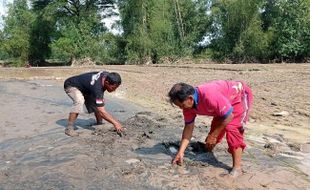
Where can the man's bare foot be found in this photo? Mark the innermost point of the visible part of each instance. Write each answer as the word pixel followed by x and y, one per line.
pixel 236 172
pixel 99 123
pixel 71 132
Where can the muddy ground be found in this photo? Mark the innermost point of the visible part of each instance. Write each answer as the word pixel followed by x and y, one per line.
pixel 35 153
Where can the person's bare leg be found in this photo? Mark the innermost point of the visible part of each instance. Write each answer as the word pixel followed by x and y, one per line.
pixel 236 156
pixel 98 118
pixel 70 127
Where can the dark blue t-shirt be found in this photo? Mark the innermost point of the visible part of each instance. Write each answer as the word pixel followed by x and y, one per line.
pixel 90 84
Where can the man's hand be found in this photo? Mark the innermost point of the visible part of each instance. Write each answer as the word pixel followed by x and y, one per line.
pixel 210 142
pixel 108 117
pixel 118 128
pixel 178 159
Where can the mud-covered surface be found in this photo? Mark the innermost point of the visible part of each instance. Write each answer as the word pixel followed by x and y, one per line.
pixel 36 154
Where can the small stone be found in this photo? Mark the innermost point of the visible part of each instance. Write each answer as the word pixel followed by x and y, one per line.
pixel 273 104
pixel 282 113
pixel 305 148
pixel 295 147
pixel 132 161
pixel 270 146
pixel 173 150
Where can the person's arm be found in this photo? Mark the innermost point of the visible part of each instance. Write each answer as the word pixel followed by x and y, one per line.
pixel 220 125
pixel 108 117
pixel 186 137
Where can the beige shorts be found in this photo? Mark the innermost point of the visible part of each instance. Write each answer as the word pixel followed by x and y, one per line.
pixel 77 98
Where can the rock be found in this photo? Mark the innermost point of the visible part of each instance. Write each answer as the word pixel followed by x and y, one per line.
pixel 282 113
pixel 251 120
pixel 270 146
pixel 132 161
pixel 305 148
pixel 273 104
pixel 173 150
pixel 295 147
pixel 271 149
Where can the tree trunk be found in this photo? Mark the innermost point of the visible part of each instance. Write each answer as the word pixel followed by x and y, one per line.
pixel 179 19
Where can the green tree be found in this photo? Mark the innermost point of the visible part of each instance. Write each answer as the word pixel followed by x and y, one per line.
pixel 42 32
pixel 78 41
pixel 78 24
pixel 3 53
pixel 237 34
pixel 269 13
pixel 161 31
pixel 191 21
pixel 135 21
pixel 253 44
pixel 155 29
pixel 74 28
pixel 260 30
pixel 292 30
pixel 17 31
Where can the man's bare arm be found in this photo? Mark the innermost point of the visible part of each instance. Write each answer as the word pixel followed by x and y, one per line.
pixel 186 137
pixel 108 117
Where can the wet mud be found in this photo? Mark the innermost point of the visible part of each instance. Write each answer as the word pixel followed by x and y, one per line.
pixel 38 155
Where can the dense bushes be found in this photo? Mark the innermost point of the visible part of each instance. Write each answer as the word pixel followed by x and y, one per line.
pixel 149 31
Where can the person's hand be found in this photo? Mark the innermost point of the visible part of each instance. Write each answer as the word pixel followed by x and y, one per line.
pixel 178 159
pixel 118 128
pixel 210 142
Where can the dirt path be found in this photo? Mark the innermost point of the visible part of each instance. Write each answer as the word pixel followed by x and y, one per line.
pixel 35 154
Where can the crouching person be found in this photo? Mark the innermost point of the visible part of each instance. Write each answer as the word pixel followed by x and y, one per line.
pixel 88 89
pixel 228 102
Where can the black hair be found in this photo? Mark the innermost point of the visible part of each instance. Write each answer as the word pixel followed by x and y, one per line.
pixel 114 78
pixel 180 92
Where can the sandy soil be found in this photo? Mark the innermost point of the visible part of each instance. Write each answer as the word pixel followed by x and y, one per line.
pixel 35 154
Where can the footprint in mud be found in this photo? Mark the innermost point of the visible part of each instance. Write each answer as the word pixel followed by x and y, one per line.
pixel 104 132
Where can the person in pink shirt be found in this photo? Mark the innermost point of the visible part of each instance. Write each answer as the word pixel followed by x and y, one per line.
pixel 229 102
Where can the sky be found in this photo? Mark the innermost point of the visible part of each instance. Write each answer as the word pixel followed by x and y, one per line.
pixel 3 10
pixel 3 6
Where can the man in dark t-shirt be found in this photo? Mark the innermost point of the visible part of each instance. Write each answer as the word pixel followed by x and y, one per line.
pixel 88 89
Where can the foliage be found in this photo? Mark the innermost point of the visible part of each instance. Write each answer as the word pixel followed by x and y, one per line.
pixel 77 31
pixel 42 32
pixel 17 31
pixel 292 29
pixel 260 30
pixel 236 29
pixel 156 30
pixel 162 28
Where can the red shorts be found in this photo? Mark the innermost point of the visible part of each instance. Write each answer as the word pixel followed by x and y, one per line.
pixel 235 128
